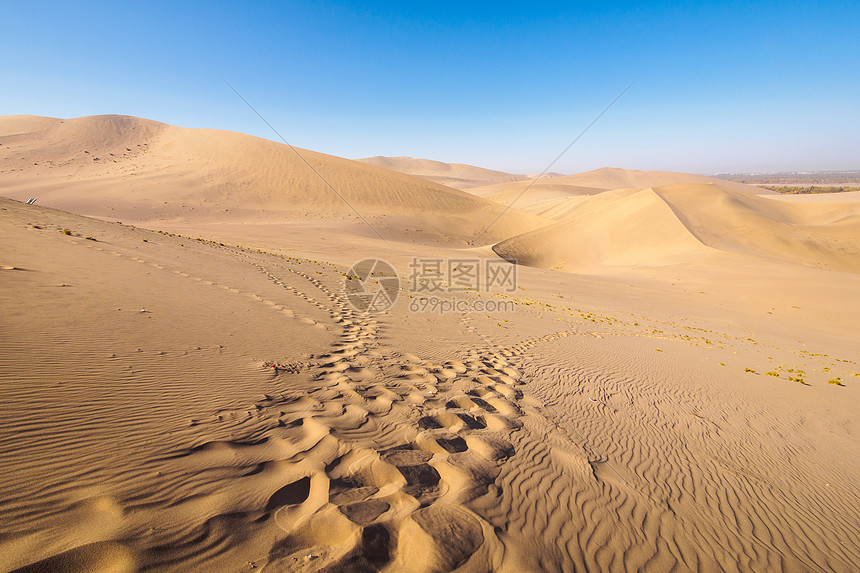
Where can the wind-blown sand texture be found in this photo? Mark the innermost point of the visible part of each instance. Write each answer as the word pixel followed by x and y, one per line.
pixel 645 416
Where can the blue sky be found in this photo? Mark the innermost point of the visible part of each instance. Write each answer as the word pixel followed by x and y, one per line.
pixel 731 86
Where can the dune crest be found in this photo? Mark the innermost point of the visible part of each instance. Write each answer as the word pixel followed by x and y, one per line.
pixel 552 196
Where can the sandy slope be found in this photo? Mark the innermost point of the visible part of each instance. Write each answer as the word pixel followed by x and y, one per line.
pixel 622 228
pixel 133 169
pixel 603 424
pixel 456 175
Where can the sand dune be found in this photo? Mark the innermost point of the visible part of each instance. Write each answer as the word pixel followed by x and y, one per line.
pixel 617 178
pixel 823 234
pixel 686 224
pixel 548 196
pixel 544 198
pixel 622 228
pixel 456 175
pixel 138 170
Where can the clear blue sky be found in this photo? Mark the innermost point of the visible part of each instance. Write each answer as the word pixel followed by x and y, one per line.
pixel 726 87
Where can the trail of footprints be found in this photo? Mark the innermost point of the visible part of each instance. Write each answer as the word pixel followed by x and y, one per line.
pixel 351 468
pixel 275 306
pixel 332 464
pixel 328 480
pixel 368 476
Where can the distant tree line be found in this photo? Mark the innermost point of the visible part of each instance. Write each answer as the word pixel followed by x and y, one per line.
pixel 813 178
pixel 794 190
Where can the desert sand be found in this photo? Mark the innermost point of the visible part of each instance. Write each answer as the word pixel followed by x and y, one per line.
pixel 554 196
pixel 186 386
pixel 456 175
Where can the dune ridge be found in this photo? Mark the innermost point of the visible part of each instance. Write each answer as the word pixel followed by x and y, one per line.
pixel 688 224
pixel 552 196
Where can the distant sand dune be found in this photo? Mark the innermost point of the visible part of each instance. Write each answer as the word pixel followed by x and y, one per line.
pixel 456 175
pixel 548 196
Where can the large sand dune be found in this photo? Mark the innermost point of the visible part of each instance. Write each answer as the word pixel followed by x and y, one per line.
pixel 690 224
pixel 622 228
pixel 138 170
